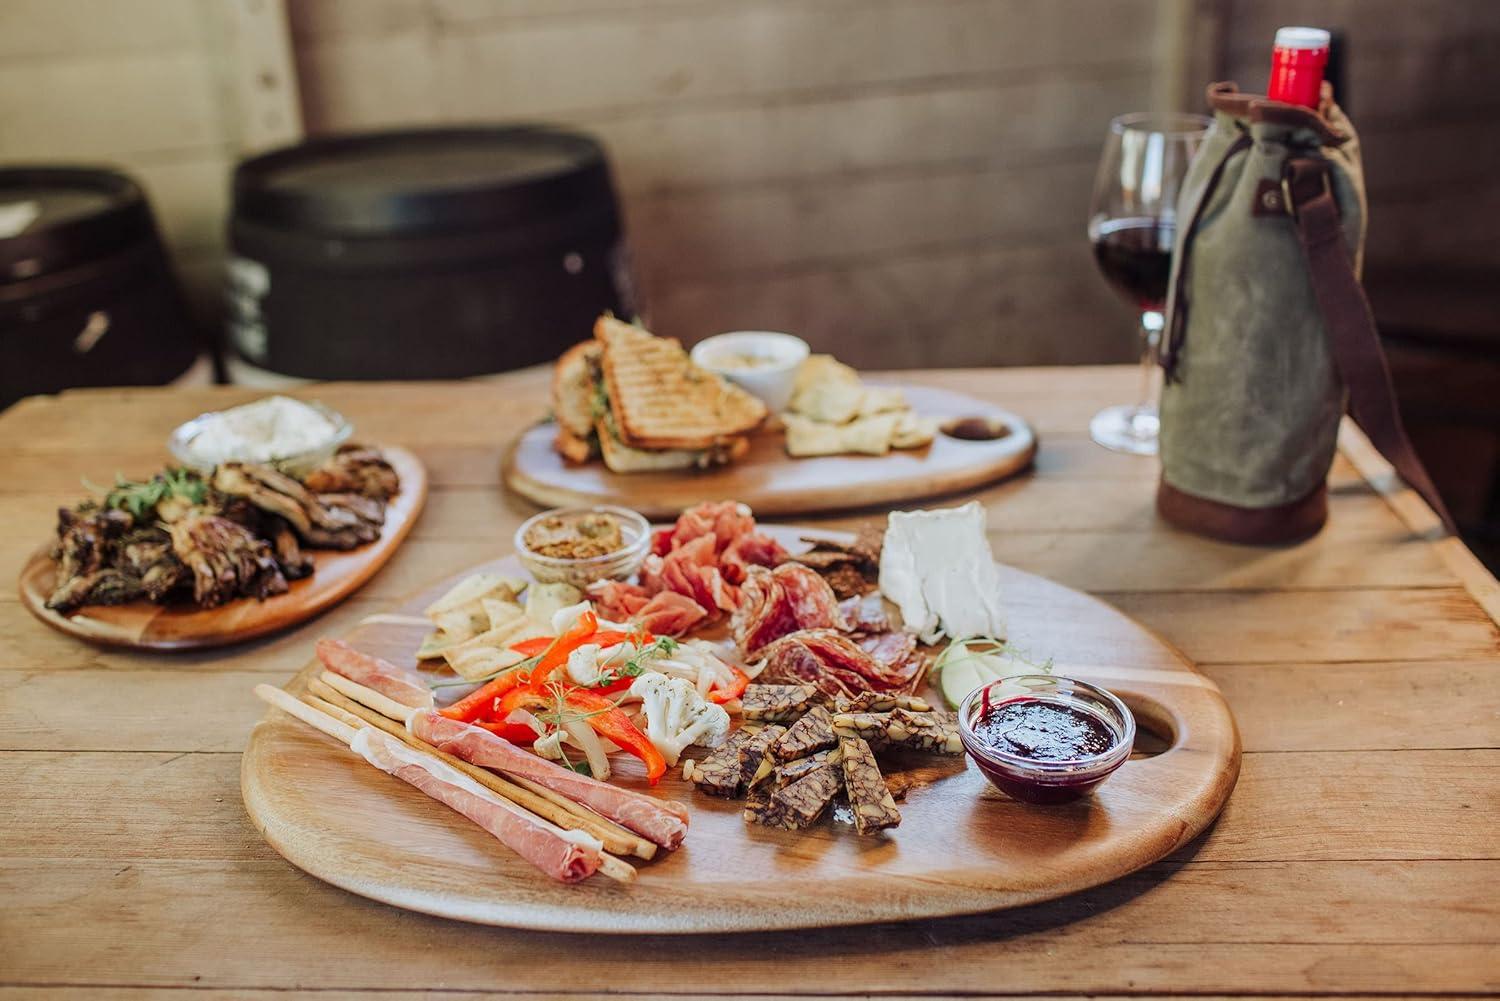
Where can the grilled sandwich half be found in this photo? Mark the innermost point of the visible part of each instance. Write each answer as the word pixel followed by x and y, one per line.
pixel 641 403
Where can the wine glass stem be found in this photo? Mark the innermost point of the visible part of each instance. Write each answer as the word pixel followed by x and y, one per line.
pixel 1151 328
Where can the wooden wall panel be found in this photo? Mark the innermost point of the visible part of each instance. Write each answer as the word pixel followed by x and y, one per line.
pixel 863 172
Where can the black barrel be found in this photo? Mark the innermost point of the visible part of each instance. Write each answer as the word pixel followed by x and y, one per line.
pixel 86 295
pixel 422 254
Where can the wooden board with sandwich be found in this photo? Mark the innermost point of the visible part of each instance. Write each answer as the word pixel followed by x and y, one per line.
pixel 640 403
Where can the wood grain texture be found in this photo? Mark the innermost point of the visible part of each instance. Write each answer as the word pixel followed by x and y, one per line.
pixel 777 485
pixel 961 846
pixel 1350 860
pixel 143 625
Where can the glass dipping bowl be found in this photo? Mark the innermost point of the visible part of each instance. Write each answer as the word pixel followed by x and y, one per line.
pixel 1043 781
pixel 616 565
pixel 180 443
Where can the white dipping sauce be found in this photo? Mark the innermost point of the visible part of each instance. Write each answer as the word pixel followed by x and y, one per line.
pixel 273 428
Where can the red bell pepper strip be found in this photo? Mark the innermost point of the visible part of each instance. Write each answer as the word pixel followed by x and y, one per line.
pixel 733 690
pixel 481 701
pixel 533 646
pixel 604 716
pixel 578 634
pixel 612 724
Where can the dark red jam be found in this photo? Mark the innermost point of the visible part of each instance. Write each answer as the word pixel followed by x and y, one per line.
pixel 1043 730
pixel 1047 731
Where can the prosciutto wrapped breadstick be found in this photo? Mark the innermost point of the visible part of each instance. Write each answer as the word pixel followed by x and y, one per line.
pixel 393 682
pixel 661 821
pixel 568 856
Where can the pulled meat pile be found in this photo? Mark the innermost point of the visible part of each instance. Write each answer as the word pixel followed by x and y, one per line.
pixel 238 532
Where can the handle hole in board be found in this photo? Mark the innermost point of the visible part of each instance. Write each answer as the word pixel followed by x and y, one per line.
pixel 1155 726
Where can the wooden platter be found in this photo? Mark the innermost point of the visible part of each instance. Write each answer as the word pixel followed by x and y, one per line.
pixel 773 483
pixel 142 625
pixel 961 848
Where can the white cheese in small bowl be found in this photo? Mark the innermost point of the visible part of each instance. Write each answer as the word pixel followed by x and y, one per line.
pixel 295 435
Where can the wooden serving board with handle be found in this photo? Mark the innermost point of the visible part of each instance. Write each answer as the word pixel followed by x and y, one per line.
pixel 775 484
pixel 962 847
pixel 143 625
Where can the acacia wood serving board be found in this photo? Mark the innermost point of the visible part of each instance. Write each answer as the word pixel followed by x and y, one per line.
pixel 775 484
pixel 962 847
pixel 144 625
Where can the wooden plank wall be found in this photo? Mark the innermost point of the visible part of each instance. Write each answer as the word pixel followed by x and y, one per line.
pixel 903 181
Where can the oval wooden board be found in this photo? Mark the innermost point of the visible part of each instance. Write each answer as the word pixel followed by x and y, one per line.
pixel 142 625
pixel 773 483
pixel 961 848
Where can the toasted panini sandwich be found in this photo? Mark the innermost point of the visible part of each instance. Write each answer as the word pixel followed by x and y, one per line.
pixel 638 401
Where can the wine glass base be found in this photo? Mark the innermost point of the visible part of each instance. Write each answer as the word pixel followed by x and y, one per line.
pixel 1126 428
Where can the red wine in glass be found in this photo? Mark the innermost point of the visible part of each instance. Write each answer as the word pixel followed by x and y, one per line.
pixel 1132 225
pixel 1135 256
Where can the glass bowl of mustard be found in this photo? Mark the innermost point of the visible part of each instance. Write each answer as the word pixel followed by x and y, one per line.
pixel 581 545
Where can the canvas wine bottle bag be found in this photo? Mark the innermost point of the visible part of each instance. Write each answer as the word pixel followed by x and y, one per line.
pixel 1268 332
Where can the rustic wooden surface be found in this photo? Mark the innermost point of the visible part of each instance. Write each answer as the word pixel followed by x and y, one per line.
pixel 961 847
pixel 777 485
pixel 144 625
pixel 1358 855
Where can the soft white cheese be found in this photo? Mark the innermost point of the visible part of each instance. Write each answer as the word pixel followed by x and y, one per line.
pixel 273 428
pixel 937 567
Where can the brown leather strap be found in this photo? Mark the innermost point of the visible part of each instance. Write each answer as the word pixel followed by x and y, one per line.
pixel 1177 301
pixel 1351 326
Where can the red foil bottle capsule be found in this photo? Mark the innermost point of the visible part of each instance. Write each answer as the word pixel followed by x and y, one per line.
pixel 1297 63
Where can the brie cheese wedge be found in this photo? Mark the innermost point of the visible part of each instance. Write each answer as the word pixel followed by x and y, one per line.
pixel 936 566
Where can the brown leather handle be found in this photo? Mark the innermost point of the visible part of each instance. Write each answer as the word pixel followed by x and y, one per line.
pixel 1308 187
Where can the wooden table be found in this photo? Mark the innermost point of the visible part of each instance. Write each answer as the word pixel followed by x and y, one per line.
pixel 1360 853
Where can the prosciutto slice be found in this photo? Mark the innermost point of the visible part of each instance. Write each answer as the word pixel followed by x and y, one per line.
pixel 395 683
pixel 568 856
pixel 661 821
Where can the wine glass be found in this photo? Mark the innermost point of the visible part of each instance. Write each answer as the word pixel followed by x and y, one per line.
pixel 1132 226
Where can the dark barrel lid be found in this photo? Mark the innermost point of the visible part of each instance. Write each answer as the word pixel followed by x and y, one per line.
pixel 422 181
pixel 67 216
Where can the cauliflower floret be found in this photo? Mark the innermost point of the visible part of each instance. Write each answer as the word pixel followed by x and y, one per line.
pixel 583 665
pixel 677 716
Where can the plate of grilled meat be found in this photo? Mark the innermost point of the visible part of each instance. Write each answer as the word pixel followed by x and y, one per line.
pixel 638 421
pixel 219 553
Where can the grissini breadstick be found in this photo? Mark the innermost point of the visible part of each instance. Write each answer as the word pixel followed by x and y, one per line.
pixel 338 730
pixel 466 802
pixel 567 815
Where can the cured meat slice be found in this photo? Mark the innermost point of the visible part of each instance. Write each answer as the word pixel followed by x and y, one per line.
pixel 669 614
pixel 776 602
pixel 866 613
pixel 568 856
pixel 693 570
pixel 869 797
pixel 616 600
pixel 814 605
pixel 833 662
pixel 813 732
pixel 777 703
pixel 661 821
pixel 726 521
pixel 395 683
pixel 750 549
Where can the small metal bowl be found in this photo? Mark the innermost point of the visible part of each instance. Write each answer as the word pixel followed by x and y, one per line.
pixel 617 565
pixel 293 464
